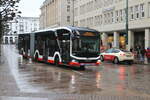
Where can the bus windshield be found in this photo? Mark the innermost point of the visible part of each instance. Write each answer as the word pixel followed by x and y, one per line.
pixel 85 45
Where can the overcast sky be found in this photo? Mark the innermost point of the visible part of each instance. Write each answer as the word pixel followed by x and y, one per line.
pixel 30 8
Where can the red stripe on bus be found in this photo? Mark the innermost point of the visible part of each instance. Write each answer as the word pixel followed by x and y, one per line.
pixel 74 64
pixel 98 63
pixel 40 59
pixel 60 63
pixel 50 61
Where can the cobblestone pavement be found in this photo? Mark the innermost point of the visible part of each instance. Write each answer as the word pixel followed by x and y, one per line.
pixel 33 81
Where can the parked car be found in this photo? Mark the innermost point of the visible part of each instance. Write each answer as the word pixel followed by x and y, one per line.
pixel 117 55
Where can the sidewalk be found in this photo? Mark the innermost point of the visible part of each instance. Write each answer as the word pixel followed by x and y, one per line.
pixel 138 61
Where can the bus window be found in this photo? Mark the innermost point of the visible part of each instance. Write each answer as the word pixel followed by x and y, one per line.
pixel 87 44
pixel 63 34
pixel 76 44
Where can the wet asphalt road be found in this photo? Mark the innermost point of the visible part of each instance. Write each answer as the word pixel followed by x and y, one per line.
pixel 106 79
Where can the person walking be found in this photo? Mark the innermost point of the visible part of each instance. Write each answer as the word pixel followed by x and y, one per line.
pixel 148 54
pixel 142 54
pixel 138 53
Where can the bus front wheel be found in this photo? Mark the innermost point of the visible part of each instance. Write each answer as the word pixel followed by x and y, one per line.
pixel 57 61
pixel 36 57
pixel 82 67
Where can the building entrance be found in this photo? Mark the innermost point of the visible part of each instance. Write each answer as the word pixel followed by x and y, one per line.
pixel 139 38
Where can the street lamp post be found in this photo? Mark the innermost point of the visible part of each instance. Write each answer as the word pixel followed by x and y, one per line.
pixel 127 26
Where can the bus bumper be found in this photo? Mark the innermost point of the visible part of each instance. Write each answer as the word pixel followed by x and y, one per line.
pixel 85 64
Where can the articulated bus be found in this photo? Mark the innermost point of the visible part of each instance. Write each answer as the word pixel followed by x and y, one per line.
pixel 72 46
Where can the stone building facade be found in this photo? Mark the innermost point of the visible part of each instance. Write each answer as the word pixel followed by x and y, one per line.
pixel 19 26
pixel 109 17
pixel 106 16
pixel 56 13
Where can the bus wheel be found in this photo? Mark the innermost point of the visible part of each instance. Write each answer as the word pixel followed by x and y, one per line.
pixel 57 61
pixel 36 57
pixel 102 58
pixel 82 67
pixel 21 52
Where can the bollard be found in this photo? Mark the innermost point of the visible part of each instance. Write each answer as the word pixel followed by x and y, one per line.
pixel 20 59
pixel 30 60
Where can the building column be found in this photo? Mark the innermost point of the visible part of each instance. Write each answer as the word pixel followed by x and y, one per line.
pixel 3 39
pixel 130 40
pixel 146 8
pixel 104 39
pixel 8 39
pixel 147 38
pixel 116 40
pixel 13 39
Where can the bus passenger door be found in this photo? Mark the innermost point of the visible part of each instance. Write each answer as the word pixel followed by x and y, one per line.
pixel 65 51
pixel 45 51
pixel 64 39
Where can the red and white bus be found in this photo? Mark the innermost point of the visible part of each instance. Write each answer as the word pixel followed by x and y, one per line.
pixel 73 46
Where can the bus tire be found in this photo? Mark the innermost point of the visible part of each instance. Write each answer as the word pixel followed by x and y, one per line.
pixel 82 67
pixel 36 57
pixel 102 58
pixel 56 61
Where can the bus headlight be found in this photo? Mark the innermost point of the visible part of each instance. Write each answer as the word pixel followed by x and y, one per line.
pixel 74 60
pixel 74 63
pixel 98 62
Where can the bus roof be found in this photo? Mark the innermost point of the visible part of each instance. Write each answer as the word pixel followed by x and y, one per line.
pixel 76 28
pixel 70 28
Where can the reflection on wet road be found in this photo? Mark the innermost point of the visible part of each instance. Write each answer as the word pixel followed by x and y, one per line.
pixel 106 79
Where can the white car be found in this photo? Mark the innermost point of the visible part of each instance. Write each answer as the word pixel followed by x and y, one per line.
pixel 117 55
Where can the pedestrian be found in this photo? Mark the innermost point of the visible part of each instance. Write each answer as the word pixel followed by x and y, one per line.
pixel 131 49
pixel 148 54
pixel 142 54
pixel 138 48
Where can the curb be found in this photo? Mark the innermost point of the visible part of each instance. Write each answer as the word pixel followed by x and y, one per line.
pixel 141 63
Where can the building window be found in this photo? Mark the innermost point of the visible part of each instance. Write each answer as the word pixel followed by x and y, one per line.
pixel 149 9
pixel 68 18
pixel 101 21
pixel 112 17
pixel 109 18
pixel 68 8
pixel 117 16
pixel 121 16
pixel 96 20
pixel 105 18
pixel 142 10
pixel 137 11
pixel 69 1
pixel 131 12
